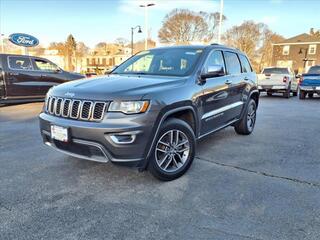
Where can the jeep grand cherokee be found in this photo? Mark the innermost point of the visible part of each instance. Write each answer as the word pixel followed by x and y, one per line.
pixel 150 110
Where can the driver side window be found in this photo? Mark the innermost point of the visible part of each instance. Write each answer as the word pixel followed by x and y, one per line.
pixel 42 65
pixel 215 58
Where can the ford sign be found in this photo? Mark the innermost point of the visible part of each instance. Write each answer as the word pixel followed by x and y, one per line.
pixel 24 40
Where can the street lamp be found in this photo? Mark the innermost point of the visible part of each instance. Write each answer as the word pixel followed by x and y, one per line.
pixel 305 56
pixel 145 6
pixel 132 30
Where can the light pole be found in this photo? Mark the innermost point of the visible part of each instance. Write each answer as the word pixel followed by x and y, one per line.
pixel 2 47
pixel 220 21
pixel 132 30
pixel 305 57
pixel 145 6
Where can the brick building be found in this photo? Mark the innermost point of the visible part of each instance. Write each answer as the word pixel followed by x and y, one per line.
pixel 299 52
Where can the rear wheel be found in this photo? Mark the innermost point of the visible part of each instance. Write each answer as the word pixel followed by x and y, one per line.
pixel 269 94
pixel 295 93
pixel 302 94
pixel 246 125
pixel 286 94
pixel 173 151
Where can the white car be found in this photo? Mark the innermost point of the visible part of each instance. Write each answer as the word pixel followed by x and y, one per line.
pixel 278 79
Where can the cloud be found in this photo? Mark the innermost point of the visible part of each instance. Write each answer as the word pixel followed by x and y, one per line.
pixel 270 19
pixel 131 7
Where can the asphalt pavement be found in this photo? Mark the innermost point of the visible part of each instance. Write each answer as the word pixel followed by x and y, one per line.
pixel 262 186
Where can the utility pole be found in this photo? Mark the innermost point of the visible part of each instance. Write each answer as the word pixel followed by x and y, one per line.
pixel 220 21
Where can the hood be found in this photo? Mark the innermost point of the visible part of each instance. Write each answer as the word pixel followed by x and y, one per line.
pixel 113 87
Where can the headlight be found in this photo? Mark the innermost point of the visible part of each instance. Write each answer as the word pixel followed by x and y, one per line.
pixel 129 107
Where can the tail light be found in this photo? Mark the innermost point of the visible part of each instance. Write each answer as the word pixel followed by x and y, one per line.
pixel 300 80
pixel 285 79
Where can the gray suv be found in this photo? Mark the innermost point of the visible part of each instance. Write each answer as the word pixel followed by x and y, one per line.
pixel 150 111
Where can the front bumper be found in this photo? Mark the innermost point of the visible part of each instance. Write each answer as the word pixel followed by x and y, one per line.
pixel 95 140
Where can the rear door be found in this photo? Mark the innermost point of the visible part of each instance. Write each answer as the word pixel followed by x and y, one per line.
pixel 236 85
pixel 49 74
pixel 20 78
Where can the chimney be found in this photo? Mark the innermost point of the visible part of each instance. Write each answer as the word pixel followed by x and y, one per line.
pixel 311 31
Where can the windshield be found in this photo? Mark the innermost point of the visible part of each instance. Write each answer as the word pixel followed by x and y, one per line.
pixel 275 71
pixel 163 62
pixel 314 70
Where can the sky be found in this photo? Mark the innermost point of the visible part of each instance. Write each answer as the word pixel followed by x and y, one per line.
pixel 94 21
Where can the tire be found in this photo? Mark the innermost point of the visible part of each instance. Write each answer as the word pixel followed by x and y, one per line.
pixel 269 94
pixel 302 94
pixel 169 162
pixel 295 93
pixel 286 94
pixel 310 95
pixel 245 126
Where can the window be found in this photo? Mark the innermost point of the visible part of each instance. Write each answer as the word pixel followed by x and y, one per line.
pixel 215 58
pixel 232 63
pixel 314 70
pixel 164 62
pixel 43 65
pixel 312 49
pixel 286 50
pixel 246 67
pixel 275 70
pixel 21 63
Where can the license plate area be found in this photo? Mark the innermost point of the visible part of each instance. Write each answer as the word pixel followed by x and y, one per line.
pixel 59 133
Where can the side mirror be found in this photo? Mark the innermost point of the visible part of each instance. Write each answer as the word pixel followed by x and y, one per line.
pixel 111 70
pixel 298 76
pixel 213 71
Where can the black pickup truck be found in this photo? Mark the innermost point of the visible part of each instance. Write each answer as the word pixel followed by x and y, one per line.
pixel 27 78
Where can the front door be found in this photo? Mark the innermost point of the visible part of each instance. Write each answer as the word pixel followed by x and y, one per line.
pixel 20 78
pixel 50 74
pixel 215 96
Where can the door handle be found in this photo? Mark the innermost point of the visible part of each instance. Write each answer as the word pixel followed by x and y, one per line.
pixel 246 79
pixel 228 82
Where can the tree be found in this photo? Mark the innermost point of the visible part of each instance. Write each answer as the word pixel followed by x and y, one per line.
pixel 269 38
pixel 247 37
pixel 182 26
pixel 70 46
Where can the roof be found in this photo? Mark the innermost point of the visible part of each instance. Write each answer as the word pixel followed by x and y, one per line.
pixel 302 38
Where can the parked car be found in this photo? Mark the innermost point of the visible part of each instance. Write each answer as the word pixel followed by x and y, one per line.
pixel 309 83
pixel 151 109
pixel 278 79
pixel 27 78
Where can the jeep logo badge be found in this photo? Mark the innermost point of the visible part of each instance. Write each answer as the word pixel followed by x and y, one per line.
pixel 69 94
pixel 24 40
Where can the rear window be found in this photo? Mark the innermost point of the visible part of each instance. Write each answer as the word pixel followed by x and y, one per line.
pixel 232 63
pixel 314 70
pixel 21 63
pixel 275 71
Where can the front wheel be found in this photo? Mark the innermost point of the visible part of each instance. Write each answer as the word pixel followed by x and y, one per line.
pixel 302 94
pixel 173 151
pixel 246 125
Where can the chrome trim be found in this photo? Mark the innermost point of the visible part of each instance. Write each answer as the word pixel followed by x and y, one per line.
pixel 61 104
pixel 52 105
pixel 64 102
pixel 219 128
pixel 133 135
pixel 222 109
pixel 72 106
pixel 89 111
pixel 103 111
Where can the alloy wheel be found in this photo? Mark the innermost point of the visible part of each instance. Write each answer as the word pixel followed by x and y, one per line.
pixel 172 150
pixel 251 117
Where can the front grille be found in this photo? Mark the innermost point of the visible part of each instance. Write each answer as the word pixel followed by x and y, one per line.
pixel 76 109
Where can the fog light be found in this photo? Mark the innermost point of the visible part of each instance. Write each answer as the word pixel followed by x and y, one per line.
pixel 124 138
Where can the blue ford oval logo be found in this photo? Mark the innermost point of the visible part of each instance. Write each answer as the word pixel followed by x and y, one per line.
pixel 24 40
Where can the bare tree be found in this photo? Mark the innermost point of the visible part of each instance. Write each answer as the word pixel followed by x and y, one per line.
pixel 248 37
pixel 212 20
pixel 265 51
pixel 71 46
pixel 182 26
